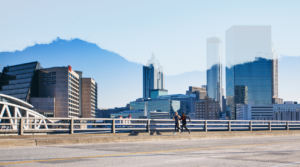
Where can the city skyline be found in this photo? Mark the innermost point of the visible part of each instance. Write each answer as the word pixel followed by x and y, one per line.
pixel 250 67
pixel 117 66
pixel 149 83
pixel 158 27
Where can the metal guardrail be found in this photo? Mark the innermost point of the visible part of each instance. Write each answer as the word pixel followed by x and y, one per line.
pixel 106 125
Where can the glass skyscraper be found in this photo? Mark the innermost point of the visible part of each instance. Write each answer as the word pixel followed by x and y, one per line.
pixel 251 67
pixel 214 69
pixel 153 77
pixel 20 81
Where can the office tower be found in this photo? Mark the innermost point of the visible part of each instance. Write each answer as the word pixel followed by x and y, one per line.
pixel 89 97
pixel 207 109
pixel 54 92
pixel 275 73
pixel 214 69
pixel 20 81
pixel 80 91
pixel 153 77
pixel 62 84
pixel 251 67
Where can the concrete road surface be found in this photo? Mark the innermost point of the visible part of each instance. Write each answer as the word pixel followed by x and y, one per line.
pixel 256 151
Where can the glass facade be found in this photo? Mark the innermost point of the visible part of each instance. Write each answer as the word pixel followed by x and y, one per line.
pixel 213 82
pixel 20 81
pixel 214 69
pixel 251 67
pixel 249 82
pixel 170 106
pixel 158 92
pixel 188 99
pixel 153 77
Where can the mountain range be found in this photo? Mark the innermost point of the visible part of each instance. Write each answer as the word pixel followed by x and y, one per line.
pixel 119 80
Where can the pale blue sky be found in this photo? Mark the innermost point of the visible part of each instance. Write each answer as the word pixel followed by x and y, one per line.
pixel 175 30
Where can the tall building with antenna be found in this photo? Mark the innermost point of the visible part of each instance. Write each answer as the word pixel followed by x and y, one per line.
pixel 153 77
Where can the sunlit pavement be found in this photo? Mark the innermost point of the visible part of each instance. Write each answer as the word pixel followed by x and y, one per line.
pixel 258 151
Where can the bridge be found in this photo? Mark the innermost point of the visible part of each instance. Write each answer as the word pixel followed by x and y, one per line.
pixel 27 138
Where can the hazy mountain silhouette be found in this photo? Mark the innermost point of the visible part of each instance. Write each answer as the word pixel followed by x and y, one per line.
pixel 119 81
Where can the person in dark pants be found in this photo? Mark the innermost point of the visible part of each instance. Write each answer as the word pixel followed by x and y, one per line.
pixel 183 119
pixel 177 120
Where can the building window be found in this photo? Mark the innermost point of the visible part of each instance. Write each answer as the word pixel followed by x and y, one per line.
pixel 53 82
pixel 49 83
pixel 48 74
pixel 54 77
pixel 45 83
pixel 53 73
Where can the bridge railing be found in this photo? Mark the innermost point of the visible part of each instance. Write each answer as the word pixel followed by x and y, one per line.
pixel 30 125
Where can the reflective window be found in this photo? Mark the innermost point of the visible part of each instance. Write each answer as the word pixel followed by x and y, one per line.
pixel 20 72
pixel 19 81
pixel 247 82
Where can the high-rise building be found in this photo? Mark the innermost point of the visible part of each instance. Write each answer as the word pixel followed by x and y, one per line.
pixel 54 92
pixel 214 69
pixel 20 81
pixel 62 84
pixel 207 109
pixel 153 77
pixel 89 98
pixel 275 73
pixel 251 67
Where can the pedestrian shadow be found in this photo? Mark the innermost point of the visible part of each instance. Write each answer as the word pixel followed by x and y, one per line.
pixel 133 134
pixel 158 133
pixel 155 132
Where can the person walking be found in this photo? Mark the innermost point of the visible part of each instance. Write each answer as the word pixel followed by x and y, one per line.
pixel 177 120
pixel 183 119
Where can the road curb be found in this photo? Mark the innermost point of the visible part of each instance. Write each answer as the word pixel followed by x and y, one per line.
pixel 94 139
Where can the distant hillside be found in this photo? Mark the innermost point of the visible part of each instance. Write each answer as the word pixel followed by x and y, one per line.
pixel 120 81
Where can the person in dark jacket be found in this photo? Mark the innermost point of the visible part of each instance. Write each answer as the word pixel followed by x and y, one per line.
pixel 183 119
pixel 177 121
